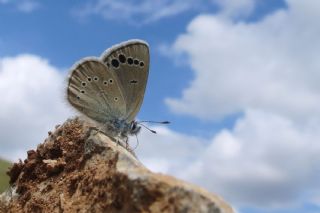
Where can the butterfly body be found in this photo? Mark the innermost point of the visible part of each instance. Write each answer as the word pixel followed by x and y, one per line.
pixel 122 128
pixel 110 89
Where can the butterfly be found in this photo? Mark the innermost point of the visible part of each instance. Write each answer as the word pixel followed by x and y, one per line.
pixel 110 89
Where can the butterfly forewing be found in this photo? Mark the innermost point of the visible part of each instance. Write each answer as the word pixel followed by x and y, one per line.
pixel 130 63
pixel 96 91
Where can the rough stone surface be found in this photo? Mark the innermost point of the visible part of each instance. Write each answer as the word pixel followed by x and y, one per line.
pixel 78 169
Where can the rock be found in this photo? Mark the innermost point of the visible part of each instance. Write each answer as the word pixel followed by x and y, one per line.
pixel 78 169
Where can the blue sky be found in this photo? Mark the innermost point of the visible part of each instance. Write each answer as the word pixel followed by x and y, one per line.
pixel 239 80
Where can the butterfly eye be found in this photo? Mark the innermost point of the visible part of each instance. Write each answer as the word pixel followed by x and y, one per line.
pixel 115 99
pixel 115 63
pixel 105 82
pixel 122 58
pixel 84 84
pixel 136 62
pixel 133 126
pixel 95 78
pixel 110 81
pixel 89 79
pixel 82 91
pixel 141 64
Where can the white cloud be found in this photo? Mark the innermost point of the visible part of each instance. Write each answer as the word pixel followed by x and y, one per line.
pixel 135 12
pixel 266 160
pixel 236 8
pixel 31 103
pixel 25 6
pixel 269 71
pixel 168 151
pixel 272 64
pixel 142 11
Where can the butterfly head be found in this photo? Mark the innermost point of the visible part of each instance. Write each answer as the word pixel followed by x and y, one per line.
pixel 134 128
pixel 124 128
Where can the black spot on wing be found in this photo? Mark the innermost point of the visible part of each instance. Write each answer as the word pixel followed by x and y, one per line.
pixel 130 61
pixel 122 58
pixel 115 63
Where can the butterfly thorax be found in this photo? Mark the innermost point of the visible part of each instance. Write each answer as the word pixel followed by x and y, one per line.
pixel 123 128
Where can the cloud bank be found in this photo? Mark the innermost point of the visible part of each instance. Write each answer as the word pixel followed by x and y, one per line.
pixel 31 103
pixel 140 12
pixel 272 64
pixel 268 71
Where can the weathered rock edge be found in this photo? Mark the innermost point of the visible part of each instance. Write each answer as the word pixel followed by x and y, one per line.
pixel 82 170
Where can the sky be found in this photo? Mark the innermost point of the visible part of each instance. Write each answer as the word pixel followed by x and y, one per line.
pixel 238 79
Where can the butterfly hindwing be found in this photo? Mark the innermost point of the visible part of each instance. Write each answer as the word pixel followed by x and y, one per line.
pixel 95 91
pixel 130 63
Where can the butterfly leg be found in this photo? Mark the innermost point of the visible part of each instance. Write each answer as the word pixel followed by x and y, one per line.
pixel 91 129
pixel 126 142
pixel 119 140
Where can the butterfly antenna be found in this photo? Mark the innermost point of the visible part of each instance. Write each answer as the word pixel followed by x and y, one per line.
pixel 148 128
pixel 157 122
